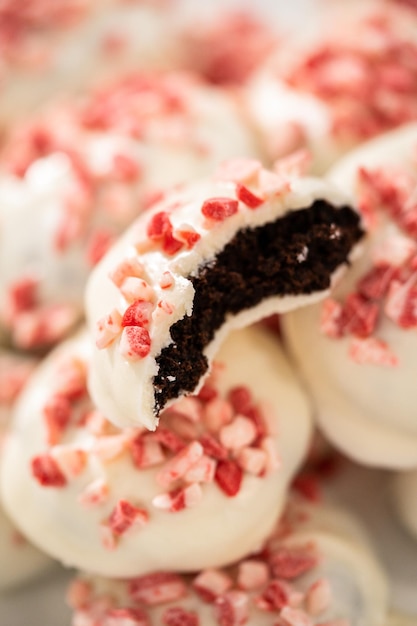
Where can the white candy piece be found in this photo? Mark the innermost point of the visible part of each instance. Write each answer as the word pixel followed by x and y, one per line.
pixel 19 560
pixel 338 83
pixel 180 240
pixel 125 503
pixel 85 170
pixel 321 571
pixel 363 382
pixel 62 49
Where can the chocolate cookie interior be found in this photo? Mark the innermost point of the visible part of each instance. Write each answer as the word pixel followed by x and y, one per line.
pixel 296 254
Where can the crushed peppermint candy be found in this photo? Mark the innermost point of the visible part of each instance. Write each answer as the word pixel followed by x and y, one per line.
pixel 210 439
pixel 143 301
pixel 368 80
pixel 238 594
pixel 388 289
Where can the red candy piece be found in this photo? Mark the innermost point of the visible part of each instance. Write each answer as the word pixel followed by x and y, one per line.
pixel 176 616
pixel 139 341
pixel 229 477
pixel 374 285
pixel 124 515
pixel 247 197
pixel 157 588
pixel 359 316
pixel 290 563
pixel 47 472
pixel 138 314
pixel 218 209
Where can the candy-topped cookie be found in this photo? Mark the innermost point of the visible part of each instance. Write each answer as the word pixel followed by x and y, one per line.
pixel 209 258
pixel 354 79
pixel 202 490
pixel 77 174
pixel 316 568
pixel 358 349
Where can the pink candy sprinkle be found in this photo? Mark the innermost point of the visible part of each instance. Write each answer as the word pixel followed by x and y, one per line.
pixel 107 329
pixel 160 230
pixel 72 462
pixel 232 608
pixel 359 316
pixel 125 617
pixel 239 433
pixel 241 399
pixel 167 281
pixel 252 460
pixel 179 499
pixel 291 562
pixel 95 494
pixel 128 267
pixel 124 516
pixel 212 447
pixel 252 574
pixel 251 200
pixel 166 307
pixel 177 616
pixel 135 343
pixel 401 304
pixel 111 447
pixel 146 452
pixel 295 617
pixel 22 295
pixel 125 168
pixel 217 413
pixel 187 235
pixel 190 408
pixel 138 314
pixel 97 246
pixel 134 289
pixel 202 471
pixel 273 460
pixel 169 439
pixel 372 351
pixel 275 596
pixel 219 209
pixel 47 472
pixel 158 588
pixel 229 477
pixel 211 583
pixel 57 415
pixel 318 597
pixel 375 283
pixel 179 465
pixel 79 594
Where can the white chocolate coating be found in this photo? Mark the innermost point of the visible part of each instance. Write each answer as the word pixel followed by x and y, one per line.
pixel 102 39
pixel 217 530
pixel 358 589
pixel 404 495
pixel 61 214
pixel 132 401
pixel 19 561
pixel 337 84
pixel 367 410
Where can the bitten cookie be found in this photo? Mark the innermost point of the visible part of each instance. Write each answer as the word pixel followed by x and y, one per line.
pixel 207 259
